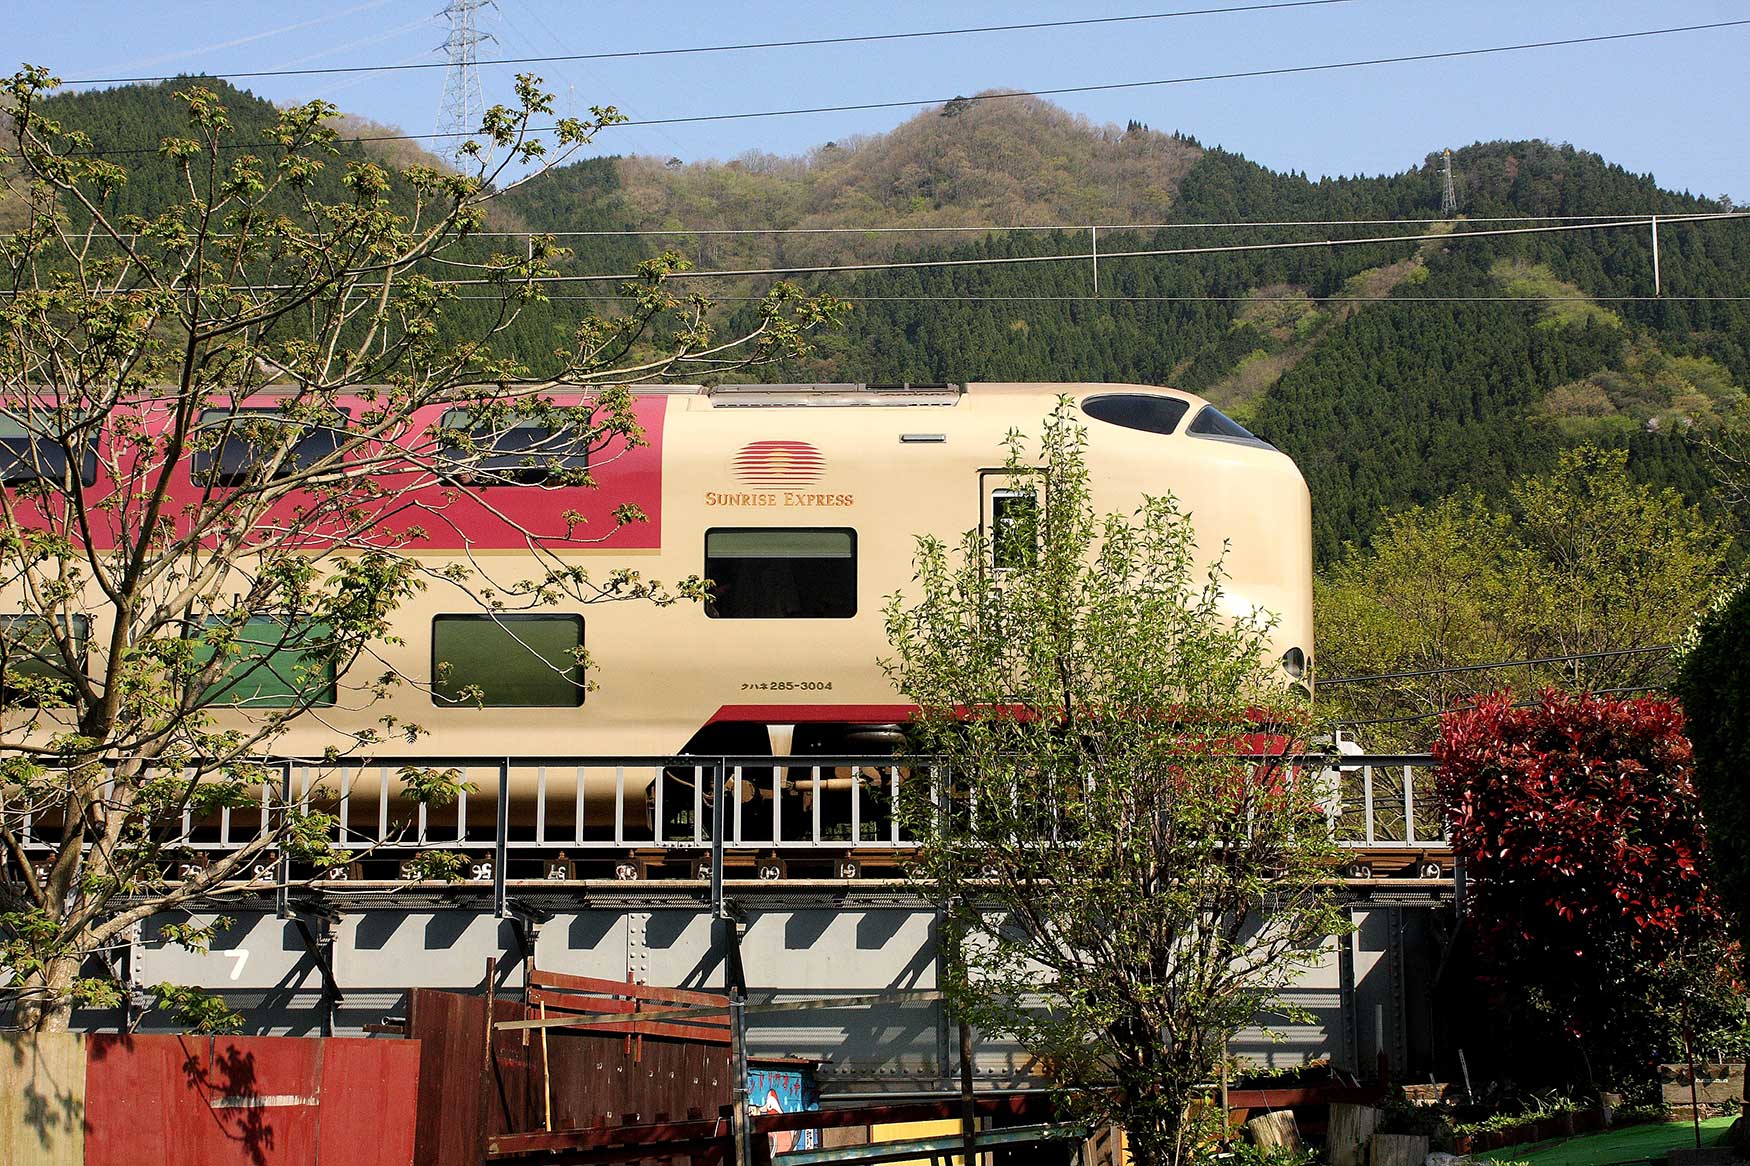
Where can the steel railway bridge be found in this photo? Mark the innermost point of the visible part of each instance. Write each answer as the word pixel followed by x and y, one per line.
pixel 809 903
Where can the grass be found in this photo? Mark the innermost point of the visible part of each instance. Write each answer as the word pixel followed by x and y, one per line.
pixel 1630 1144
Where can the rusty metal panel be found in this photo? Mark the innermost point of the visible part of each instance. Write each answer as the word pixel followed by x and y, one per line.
pixel 42 1098
pixel 269 1101
pixel 597 1079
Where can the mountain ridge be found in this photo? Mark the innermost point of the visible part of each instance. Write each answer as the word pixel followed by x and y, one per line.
pixel 1396 372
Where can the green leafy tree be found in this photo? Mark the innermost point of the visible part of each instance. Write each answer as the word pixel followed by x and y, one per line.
pixel 136 578
pixel 1582 560
pixel 1127 890
pixel 1716 700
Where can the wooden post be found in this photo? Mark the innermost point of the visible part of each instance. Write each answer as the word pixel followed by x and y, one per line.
pixel 738 1066
pixel 486 1055
pixel 546 1075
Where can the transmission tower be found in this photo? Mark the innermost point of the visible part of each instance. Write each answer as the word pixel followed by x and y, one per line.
pixel 460 111
pixel 1448 197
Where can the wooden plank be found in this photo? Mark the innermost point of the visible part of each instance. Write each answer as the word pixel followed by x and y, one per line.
pixel 597 1006
pixel 546 979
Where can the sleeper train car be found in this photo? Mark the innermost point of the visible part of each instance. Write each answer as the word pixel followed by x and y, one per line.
pixel 801 503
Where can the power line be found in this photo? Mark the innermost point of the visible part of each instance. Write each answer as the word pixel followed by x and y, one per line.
pixel 1572 657
pixel 628 54
pixel 1113 300
pixel 1282 71
pixel 991 228
pixel 1084 256
pixel 1000 261
pixel 1287 70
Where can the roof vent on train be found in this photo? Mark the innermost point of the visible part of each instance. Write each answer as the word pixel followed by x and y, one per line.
pixel 1144 411
pixel 774 396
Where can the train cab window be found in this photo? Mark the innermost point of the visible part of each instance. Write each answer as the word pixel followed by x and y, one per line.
pixel 1144 411
pixel 29 657
pixel 781 573
pixel 507 661
pixel 1212 422
pixel 30 454
pixel 517 452
pixel 233 441
pixel 1014 528
pixel 271 665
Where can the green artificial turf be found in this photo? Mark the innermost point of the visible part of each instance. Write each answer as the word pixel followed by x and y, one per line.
pixel 1630 1144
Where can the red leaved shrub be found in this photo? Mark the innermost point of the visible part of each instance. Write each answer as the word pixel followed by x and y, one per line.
pixel 1577 823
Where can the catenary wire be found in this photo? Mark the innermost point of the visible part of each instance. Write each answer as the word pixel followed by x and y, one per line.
pixel 632 54
pixel 1280 71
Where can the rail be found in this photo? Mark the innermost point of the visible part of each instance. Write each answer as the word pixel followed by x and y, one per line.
pixel 559 819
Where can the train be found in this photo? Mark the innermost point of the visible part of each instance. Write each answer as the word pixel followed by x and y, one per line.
pixel 801 504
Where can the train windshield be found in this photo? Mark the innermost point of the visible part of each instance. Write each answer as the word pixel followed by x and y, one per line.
pixel 1212 422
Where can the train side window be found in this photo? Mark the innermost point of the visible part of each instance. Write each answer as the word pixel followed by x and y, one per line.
pixel 1149 412
pixel 233 441
pixel 781 573
pixel 521 452
pixel 30 454
pixel 29 656
pixel 1014 528
pixel 507 661
pixel 272 666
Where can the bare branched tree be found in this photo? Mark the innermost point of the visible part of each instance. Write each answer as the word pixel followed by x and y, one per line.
pixel 256 400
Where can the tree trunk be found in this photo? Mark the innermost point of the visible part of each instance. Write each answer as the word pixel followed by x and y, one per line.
pixel 46 998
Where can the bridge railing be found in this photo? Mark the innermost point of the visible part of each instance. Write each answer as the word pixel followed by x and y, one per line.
pixel 564 818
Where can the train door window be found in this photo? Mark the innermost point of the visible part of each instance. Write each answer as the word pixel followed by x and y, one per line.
pixel 520 451
pixel 781 573
pixel 507 661
pixel 272 663
pixel 30 453
pixel 1014 528
pixel 30 659
pixel 231 442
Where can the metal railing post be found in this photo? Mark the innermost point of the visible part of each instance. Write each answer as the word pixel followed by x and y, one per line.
pixel 721 769
pixel 1409 808
pixel 501 842
pixel 282 891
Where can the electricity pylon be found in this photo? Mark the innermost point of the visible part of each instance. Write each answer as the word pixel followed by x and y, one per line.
pixel 460 111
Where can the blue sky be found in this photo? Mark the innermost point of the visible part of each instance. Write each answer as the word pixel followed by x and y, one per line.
pixel 1674 106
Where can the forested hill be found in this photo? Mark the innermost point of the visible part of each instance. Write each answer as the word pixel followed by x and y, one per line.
pixel 1394 372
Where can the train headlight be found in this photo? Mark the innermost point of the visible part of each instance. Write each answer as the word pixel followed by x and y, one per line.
pixel 1294 663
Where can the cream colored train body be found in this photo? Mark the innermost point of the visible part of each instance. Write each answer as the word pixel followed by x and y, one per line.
pixel 739 480
pixel 888 465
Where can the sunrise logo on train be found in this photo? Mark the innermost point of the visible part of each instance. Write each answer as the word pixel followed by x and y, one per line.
pixel 778 463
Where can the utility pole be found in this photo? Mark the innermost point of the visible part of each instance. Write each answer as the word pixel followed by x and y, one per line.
pixel 462 106
pixel 1448 196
